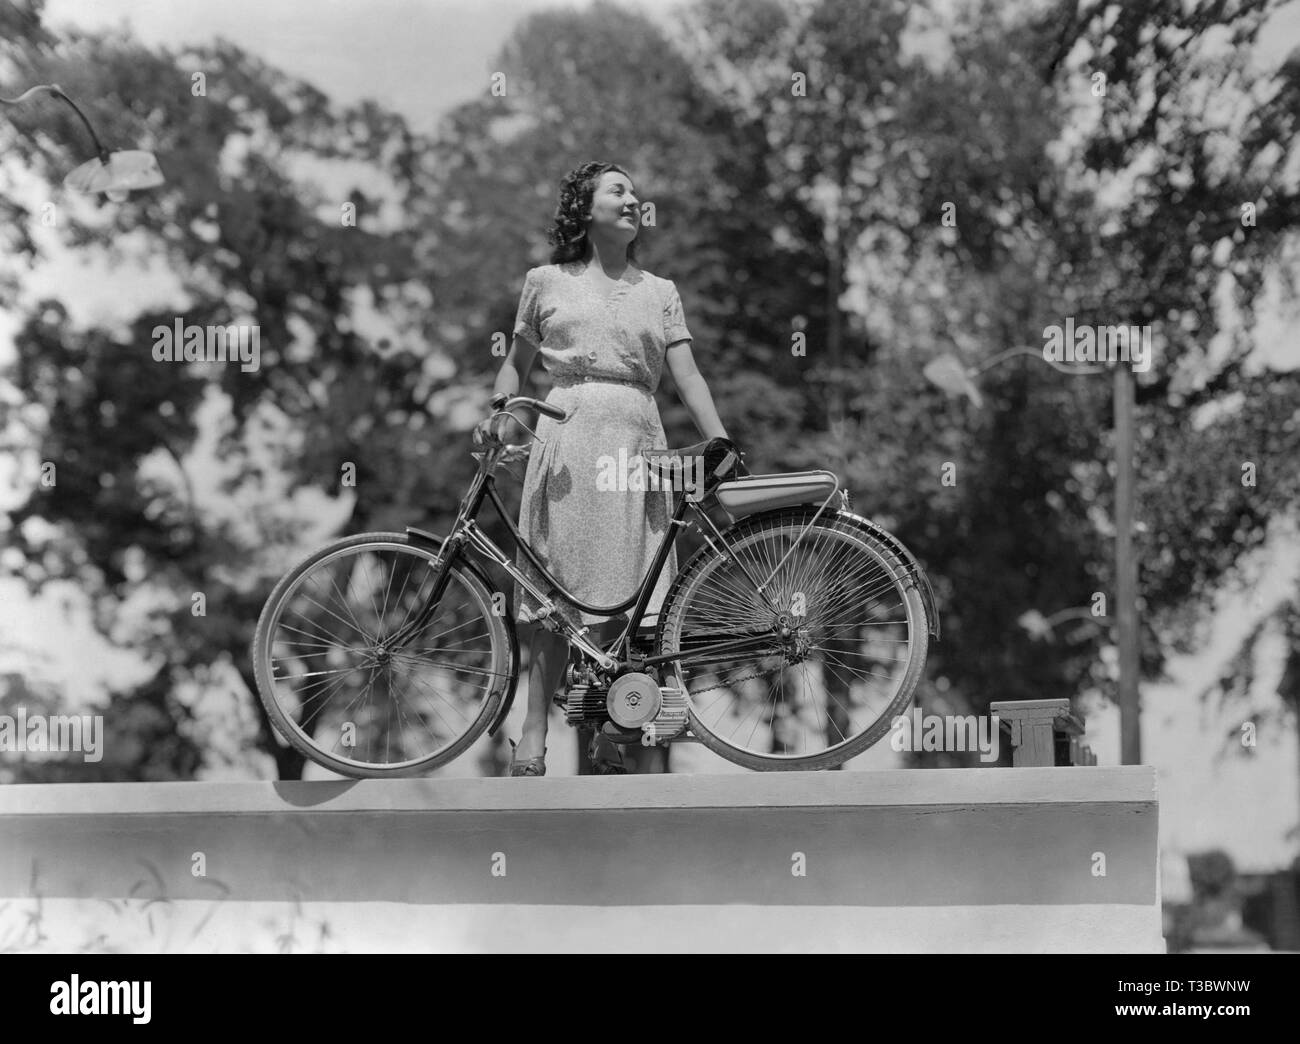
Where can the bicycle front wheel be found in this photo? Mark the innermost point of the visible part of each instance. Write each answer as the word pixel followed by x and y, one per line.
pixel 838 637
pixel 343 693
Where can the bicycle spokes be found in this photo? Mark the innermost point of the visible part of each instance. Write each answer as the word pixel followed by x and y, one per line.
pixel 840 641
pixel 355 694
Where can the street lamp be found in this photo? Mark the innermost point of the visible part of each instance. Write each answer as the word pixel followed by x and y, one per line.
pixel 113 173
pixel 949 373
pixel 1040 627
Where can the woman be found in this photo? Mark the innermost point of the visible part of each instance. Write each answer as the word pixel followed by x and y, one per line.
pixel 605 328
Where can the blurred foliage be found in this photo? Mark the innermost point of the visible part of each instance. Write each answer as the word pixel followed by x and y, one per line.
pixel 776 213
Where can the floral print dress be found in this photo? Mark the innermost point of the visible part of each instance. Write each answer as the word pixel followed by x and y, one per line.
pixel 587 513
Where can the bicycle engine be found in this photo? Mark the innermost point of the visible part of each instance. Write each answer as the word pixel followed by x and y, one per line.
pixel 630 706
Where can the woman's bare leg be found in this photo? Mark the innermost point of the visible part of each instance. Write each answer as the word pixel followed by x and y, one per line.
pixel 547 659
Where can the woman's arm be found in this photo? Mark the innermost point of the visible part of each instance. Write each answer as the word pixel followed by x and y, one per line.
pixel 514 370
pixel 511 377
pixel 693 391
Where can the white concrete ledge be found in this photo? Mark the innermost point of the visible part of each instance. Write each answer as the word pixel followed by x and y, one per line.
pixel 931 787
pixel 970 860
pixel 234 926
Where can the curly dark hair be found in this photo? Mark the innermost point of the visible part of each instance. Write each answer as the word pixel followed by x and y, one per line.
pixel 569 233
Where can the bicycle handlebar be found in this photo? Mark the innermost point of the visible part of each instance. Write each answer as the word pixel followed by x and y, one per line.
pixel 503 403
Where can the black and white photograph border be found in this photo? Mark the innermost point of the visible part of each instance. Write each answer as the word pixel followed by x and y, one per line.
pixel 528 477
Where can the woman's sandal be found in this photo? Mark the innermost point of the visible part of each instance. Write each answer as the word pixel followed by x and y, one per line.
pixel 601 763
pixel 529 766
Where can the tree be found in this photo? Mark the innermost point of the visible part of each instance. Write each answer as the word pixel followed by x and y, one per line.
pixel 247 240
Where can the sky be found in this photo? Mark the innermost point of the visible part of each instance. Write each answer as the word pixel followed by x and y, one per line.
pixel 422 57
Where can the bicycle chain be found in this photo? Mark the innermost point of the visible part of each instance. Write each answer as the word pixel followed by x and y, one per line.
pixel 736 681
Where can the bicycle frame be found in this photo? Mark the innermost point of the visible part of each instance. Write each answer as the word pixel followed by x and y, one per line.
pixel 465 532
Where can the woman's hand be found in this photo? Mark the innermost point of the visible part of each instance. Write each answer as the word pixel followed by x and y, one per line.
pixel 490 431
pixel 490 428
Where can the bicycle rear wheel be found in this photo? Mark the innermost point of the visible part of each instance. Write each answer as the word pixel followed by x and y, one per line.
pixel 338 690
pixel 840 635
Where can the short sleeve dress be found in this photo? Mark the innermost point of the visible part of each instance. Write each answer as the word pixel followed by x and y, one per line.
pixel 588 510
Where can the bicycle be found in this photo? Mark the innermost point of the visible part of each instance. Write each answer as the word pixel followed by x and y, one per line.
pixel 789 640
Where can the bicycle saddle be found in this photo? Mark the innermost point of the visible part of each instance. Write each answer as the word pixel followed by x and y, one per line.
pixel 721 459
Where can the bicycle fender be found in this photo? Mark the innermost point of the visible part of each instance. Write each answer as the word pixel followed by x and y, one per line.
pixel 913 566
pixel 511 687
pixel 423 536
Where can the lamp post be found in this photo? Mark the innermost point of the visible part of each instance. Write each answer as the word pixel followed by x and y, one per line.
pixel 948 373
pixel 114 173
pixel 1126 571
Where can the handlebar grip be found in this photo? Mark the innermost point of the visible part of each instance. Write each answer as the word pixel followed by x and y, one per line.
pixel 502 402
pixel 554 412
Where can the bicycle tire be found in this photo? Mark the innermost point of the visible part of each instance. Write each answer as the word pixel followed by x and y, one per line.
pixel 675 622
pixel 503 655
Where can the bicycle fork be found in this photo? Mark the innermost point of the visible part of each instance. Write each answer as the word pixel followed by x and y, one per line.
pixel 449 552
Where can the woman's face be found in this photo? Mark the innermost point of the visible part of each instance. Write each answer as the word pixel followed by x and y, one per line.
pixel 615 214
